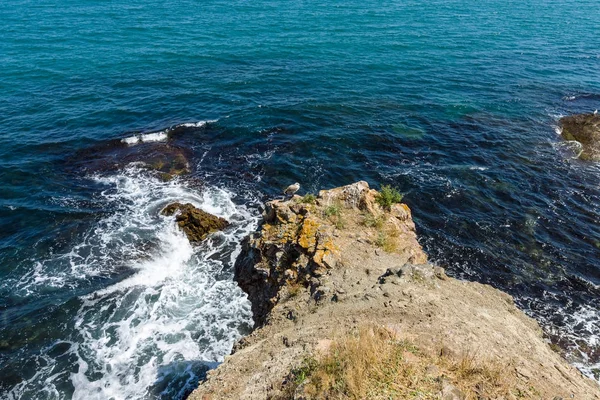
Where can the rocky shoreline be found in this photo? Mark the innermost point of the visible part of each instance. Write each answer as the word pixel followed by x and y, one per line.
pixel 322 269
pixel 585 130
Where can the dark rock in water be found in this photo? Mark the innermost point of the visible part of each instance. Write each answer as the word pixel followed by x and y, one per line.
pixel 196 224
pixel 585 129
pixel 166 159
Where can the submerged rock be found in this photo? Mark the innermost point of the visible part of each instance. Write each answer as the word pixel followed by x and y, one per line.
pixel 196 224
pixel 169 161
pixel 585 129
pixel 166 159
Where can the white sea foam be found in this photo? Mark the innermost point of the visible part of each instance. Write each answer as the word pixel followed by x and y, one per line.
pixel 198 124
pixel 150 334
pixel 163 135
pixel 569 148
pixel 154 137
pixel 147 138
pixel 131 140
pixel 586 319
pixel 558 130
pixel 579 328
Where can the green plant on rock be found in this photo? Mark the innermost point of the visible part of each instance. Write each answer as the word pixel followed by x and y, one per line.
pixel 339 222
pixel 333 210
pixel 371 221
pixel 388 196
pixel 309 199
pixel 302 373
pixel 334 214
pixel 386 241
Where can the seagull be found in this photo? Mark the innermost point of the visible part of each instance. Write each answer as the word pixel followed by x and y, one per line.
pixel 290 190
pixel 595 112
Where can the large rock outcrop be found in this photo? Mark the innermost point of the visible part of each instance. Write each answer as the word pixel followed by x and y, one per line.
pixel 585 129
pixel 194 222
pixel 320 269
pixel 296 245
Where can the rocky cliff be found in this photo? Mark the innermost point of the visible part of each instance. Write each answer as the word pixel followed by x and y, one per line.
pixel 347 306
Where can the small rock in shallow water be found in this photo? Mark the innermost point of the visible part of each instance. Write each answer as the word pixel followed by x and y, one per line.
pixel 196 224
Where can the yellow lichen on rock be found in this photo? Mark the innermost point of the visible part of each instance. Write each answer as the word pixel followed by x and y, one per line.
pixel 307 237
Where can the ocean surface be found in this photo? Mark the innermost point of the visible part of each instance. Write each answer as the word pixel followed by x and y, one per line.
pixel 454 102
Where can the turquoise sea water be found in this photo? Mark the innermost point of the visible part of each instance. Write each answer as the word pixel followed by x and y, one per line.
pixel 454 102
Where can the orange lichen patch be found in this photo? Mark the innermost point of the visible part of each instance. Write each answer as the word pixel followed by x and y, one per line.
pixel 288 233
pixel 307 237
pixel 328 245
pixel 267 230
pixel 322 258
pixel 406 208
pixel 281 232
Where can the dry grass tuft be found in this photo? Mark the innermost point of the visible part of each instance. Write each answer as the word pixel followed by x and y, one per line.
pixel 374 364
pixel 371 221
pixel 387 240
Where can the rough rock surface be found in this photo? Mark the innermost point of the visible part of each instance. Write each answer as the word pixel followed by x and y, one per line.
pixel 296 245
pixel 585 129
pixel 314 274
pixel 196 224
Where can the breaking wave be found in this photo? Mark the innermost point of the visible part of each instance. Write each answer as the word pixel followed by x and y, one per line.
pixel 172 312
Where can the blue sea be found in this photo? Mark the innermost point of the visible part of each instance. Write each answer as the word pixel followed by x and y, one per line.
pixel 454 102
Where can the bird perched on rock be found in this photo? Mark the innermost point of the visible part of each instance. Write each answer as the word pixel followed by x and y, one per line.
pixel 290 190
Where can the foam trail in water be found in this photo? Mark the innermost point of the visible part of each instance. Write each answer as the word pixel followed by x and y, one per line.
pixel 198 124
pixel 153 333
pixel 147 138
pixel 161 136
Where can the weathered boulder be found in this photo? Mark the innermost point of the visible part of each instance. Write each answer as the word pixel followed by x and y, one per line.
pixel 195 223
pixel 585 129
pixel 357 195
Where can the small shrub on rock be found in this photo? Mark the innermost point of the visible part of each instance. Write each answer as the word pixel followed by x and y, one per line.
pixel 333 210
pixel 334 213
pixel 371 221
pixel 309 199
pixel 388 196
